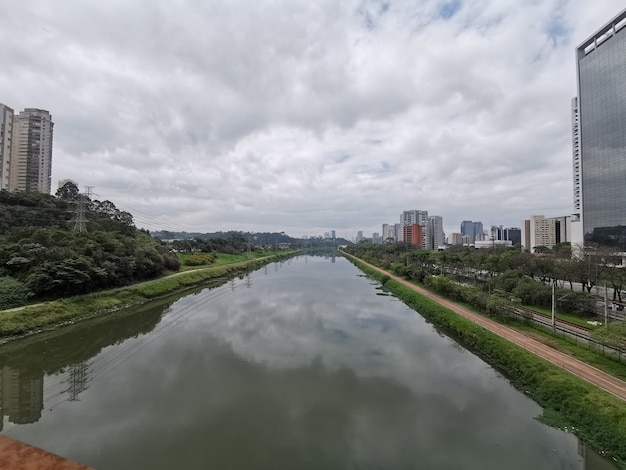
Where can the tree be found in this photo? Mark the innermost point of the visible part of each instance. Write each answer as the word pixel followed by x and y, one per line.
pixel 68 191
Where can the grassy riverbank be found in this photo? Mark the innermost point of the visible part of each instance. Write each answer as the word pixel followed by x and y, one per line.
pixel 595 416
pixel 49 315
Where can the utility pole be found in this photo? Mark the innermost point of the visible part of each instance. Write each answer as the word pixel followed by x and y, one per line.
pixel 553 306
pixel 606 307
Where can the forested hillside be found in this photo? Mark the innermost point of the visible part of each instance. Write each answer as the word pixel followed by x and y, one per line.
pixel 67 244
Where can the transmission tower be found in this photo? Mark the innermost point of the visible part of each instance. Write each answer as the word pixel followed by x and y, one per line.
pixel 77 380
pixel 80 222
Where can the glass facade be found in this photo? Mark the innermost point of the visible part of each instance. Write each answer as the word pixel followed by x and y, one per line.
pixel 602 122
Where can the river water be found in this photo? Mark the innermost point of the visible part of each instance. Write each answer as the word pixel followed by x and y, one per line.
pixel 304 364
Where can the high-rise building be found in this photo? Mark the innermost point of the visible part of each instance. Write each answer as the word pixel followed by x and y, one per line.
pixel 410 218
pixel 389 233
pixel 562 229
pixel 413 234
pixel 397 230
pixel 514 235
pixel 599 135
pixel 539 232
pixel 6 142
pixel 473 230
pixel 496 232
pixel 436 238
pixel 31 157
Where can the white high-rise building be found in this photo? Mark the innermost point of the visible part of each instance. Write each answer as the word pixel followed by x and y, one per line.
pixel 542 232
pixel 6 144
pixel 389 233
pixel 437 237
pixel 31 157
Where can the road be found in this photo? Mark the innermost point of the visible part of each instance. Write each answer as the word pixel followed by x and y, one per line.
pixel 589 373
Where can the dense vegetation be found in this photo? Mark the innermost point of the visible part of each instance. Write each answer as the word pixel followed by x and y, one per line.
pixel 64 245
pixel 524 277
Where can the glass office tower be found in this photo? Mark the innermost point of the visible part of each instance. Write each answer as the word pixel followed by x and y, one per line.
pixel 599 135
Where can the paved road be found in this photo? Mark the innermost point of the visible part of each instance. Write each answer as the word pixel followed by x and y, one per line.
pixel 589 373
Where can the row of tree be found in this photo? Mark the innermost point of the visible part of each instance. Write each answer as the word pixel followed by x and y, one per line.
pixel 525 276
pixel 67 244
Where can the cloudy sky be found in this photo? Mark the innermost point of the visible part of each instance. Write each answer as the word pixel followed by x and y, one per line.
pixel 305 116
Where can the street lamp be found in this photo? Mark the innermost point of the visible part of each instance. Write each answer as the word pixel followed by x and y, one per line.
pixel 554 300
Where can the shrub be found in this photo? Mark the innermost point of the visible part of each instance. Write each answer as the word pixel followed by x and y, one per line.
pixel 13 293
pixel 200 259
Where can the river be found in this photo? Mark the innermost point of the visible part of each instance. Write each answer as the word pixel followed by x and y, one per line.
pixel 303 364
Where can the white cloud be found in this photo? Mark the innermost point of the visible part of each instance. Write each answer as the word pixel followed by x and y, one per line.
pixel 306 116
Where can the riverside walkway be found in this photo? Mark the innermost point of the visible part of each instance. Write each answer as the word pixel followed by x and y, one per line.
pixel 581 369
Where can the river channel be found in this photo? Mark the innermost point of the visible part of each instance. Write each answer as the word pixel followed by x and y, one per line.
pixel 304 364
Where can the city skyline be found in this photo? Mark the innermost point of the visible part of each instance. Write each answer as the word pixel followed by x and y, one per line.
pixel 307 117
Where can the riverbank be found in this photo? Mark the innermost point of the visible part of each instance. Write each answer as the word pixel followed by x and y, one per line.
pixel 33 319
pixel 595 416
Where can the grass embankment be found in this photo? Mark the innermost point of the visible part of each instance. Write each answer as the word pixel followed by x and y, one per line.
pixel 595 416
pixel 34 318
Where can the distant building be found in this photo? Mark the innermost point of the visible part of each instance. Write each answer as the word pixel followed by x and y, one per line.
pixel 473 230
pixel 496 232
pixel 562 229
pixel 414 235
pixel 456 239
pixel 389 233
pixel 542 232
pixel 413 217
pixel 397 228
pixel 6 140
pixel 514 235
pixel 31 157
pixel 437 237
pixel 359 236
pixel 491 243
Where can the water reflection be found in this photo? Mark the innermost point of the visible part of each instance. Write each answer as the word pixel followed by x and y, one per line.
pixel 21 396
pixel 63 357
pixel 299 366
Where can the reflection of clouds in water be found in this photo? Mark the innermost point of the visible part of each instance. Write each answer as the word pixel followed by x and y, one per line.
pixel 283 325
pixel 311 416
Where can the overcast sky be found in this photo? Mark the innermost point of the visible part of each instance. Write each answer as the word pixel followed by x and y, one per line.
pixel 305 116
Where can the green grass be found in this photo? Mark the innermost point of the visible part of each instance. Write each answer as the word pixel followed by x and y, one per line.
pixel 225 259
pixel 595 416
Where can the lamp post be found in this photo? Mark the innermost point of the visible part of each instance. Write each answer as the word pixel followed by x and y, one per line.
pixel 553 306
